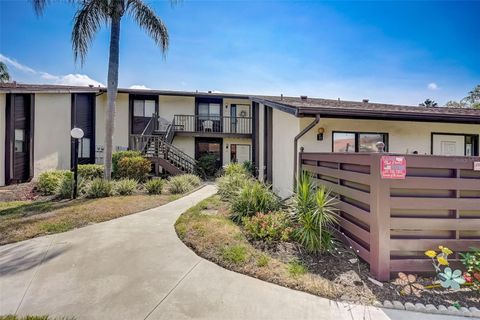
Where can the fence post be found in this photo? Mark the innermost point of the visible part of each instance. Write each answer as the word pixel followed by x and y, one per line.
pixel 380 221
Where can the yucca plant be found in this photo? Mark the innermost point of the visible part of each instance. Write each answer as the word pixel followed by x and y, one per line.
pixel 252 198
pixel 315 213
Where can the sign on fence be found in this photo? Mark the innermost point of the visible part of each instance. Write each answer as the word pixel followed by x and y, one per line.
pixel 476 166
pixel 393 167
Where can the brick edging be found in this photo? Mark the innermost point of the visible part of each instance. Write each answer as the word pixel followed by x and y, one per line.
pixel 471 312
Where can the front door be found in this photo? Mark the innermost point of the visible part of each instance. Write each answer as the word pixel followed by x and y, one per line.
pixel 18 156
pixel 209 112
pixel 83 117
pixel 209 147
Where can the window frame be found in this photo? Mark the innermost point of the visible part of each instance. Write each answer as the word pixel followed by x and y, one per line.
pixel 386 139
pixel 475 137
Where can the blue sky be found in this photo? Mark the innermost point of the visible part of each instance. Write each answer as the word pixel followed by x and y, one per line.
pixel 398 52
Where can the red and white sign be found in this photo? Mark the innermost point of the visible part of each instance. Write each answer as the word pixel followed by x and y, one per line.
pixel 393 167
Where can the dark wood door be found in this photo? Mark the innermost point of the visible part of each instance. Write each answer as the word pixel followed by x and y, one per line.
pixel 21 132
pixel 83 117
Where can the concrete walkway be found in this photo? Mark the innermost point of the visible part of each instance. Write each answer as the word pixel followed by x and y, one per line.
pixel 135 267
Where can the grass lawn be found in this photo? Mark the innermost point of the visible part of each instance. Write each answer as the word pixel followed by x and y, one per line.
pixel 20 220
pixel 207 229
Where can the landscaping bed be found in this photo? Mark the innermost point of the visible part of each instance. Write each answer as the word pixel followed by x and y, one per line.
pixel 266 246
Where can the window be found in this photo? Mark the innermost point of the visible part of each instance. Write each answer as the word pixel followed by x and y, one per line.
pixel 454 144
pixel 358 141
pixel 239 153
pixel 143 108
pixel 19 140
pixel 208 110
pixel 84 148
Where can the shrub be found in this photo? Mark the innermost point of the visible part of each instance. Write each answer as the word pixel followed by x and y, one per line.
pixel 183 183
pixel 90 171
pixel 234 168
pixel 249 167
pixel 136 168
pixel 253 197
pixel 154 186
pixel 116 156
pixel 471 262
pixel 49 181
pixel 230 185
pixel 206 165
pixel 125 187
pixel 99 188
pixel 315 215
pixel 269 227
pixel 263 260
pixel 65 187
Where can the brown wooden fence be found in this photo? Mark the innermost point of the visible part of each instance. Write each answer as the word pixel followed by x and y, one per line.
pixel 390 223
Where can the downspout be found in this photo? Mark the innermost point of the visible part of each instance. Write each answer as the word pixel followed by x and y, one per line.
pixel 295 150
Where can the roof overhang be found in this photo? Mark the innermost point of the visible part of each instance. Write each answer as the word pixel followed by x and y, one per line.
pixel 345 113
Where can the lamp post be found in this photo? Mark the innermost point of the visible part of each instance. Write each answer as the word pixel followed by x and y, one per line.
pixel 76 134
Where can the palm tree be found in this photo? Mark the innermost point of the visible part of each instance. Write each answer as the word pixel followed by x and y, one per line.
pixel 88 19
pixel 4 75
pixel 429 104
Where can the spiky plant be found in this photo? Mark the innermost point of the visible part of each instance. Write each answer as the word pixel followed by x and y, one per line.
pixel 4 75
pixel 90 16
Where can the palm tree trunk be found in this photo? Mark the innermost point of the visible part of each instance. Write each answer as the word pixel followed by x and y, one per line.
pixel 112 89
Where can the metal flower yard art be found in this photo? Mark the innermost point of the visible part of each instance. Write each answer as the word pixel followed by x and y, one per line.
pixel 409 284
pixel 451 279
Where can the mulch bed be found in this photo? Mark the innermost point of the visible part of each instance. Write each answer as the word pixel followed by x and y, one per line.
pixel 343 267
pixel 19 192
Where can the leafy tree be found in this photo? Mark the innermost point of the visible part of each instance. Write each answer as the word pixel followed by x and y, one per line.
pixel 4 75
pixel 429 104
pixel 470 101
pixel 90 16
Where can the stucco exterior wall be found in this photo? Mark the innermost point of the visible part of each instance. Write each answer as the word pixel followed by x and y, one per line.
pixel 186 144
pixel 52 142
pixel 121 134
pixel 285 128
pixel 172 105
pixel 404 136
pixel 3 101
pixel 227 142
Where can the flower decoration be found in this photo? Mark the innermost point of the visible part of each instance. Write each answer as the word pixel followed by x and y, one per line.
pixel 409 284
pixel 430 253
pixel 451 279
pixel 442 260
pixel 445 250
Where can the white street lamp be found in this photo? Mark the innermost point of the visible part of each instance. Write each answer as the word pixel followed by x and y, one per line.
pixel 76 134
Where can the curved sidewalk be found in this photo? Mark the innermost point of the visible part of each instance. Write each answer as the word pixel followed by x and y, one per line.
pixel 135 267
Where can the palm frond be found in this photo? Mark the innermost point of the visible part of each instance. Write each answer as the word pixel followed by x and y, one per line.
pixel 87 21
pixel 39 6
pixel 4 75
pixel 148 20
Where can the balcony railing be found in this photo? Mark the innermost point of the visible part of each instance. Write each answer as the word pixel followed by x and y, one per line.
pixel 213 124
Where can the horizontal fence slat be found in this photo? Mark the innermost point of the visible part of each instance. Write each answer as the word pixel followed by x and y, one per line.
pixel 416 265
pixel 355 212
pixel 361 159
pixel 436 183
pixel 426 244
pixel 346 191
pixel 434 224
pixel 354 229
pixel 341 174
pixel 435 203
pixel 440 162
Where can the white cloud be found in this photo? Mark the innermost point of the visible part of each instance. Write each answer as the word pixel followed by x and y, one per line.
pixel 432 86
pixel 68 79
pixel 139 86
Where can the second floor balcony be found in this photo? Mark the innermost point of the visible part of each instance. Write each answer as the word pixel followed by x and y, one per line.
pixel 216 126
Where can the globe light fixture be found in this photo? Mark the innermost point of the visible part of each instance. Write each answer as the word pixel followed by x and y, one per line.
pixel 76 134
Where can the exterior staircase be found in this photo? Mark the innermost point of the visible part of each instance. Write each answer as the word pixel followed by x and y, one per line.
pixel 157 147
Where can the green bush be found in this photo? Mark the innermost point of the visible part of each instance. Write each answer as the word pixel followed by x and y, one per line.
pixel 296 268
pixel 234 168
pixel 254 197
pixel 65 187
pixel 116 156
pixel 49 181
pixel 136 168
pixel 90 171
pixel 270 227
pixel 206 165
pixel 183 183
pixel 99 188
pixel 230 185
pixel 154 186
pixel 125 187
pixel 315 215
pixel 249 167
